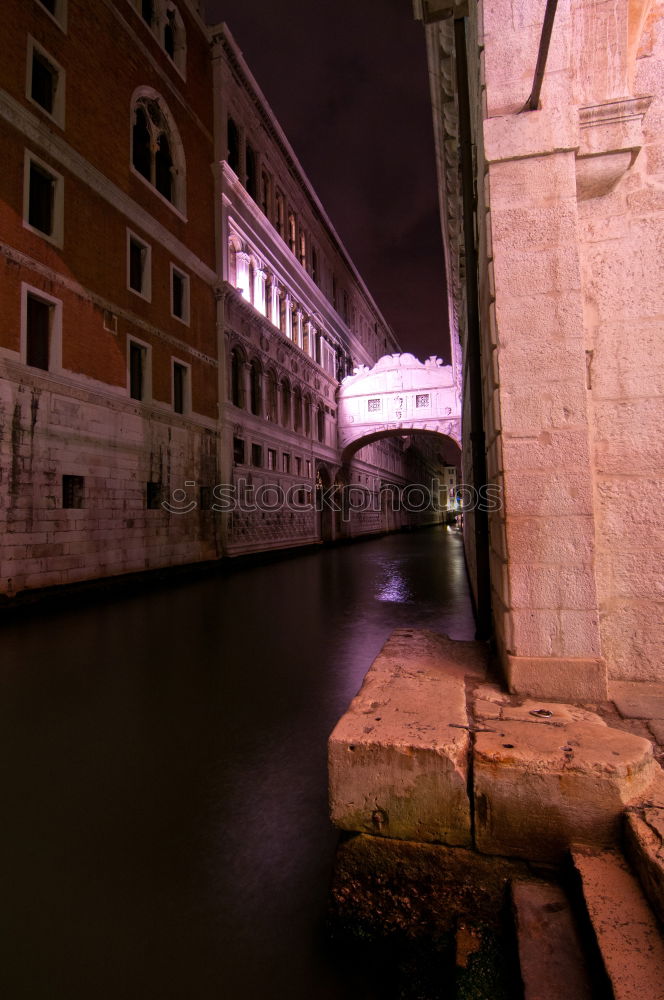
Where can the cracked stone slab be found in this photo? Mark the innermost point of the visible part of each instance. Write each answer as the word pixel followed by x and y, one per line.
pixel 540 788
pixel 549 713
pixel 398 758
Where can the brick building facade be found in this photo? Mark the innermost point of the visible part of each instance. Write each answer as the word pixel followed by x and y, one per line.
pixel 176 305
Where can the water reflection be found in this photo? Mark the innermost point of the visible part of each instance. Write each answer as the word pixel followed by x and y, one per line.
pixel 163 761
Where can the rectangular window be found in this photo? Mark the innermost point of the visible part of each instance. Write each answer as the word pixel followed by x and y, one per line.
pixel 257 455
pixel 180 387
pixel 373 405
pixel 73 491
pixel 58 11
pixel 308 469
pixel 285 462
pixel 298 466
pixel 303 248
pixel 45 82
pixel 153 496
pixel 137 370
pixel 38 323
pixel 271 458
pixel 205 497
pixel 138 266
pixel 279 213
pixel 43 208
pixel 238 451
pixel 265 186
pixel 314 265
pixel 422 400
pixel 250 160
pixel 179 294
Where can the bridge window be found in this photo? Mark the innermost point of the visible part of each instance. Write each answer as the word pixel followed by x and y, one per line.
pixel 422 400
pixel 320 424
pixel 373 405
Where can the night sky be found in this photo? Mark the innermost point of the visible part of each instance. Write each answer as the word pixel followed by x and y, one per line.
pixel 347 80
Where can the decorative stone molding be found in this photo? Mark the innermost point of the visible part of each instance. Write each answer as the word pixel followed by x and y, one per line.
pixel 610 138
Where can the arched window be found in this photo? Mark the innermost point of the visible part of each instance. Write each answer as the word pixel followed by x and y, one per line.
pixel 174 37
pixel 256 385
pixel 237 374
pixel 272 400
pixel 156 149
pixel 297 410
pixel 307 415
pixel 320 424
pixel 285 403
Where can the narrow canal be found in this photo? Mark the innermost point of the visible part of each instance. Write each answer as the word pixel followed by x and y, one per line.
pixel 164 830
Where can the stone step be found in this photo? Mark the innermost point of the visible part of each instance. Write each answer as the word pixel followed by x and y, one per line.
pixel 551 954
pixel 628 934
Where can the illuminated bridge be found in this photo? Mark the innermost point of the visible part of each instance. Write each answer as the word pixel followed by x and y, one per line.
pixel 399 395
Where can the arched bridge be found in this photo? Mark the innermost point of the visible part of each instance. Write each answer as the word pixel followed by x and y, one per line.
pixel 399 395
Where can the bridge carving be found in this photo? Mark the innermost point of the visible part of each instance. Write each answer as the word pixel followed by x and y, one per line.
pixel 399 395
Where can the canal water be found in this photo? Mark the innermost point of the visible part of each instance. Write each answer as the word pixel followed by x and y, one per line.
pixel 164 829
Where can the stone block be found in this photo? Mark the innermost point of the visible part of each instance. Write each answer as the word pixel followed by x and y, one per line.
pixel 540 788
pixel 638 700
pixel 546 495
pixel 627 933
pixel 543 540
pixel 578 678
pixel 527 410
pixel 550 449
pixel 398 758
pixel 644 844
pixel 513 137
pixel 552 587
pixel 551 956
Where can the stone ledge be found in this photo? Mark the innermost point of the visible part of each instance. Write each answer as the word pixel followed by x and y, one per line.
pixel 535 133
pixel 541 787
pixel 398 758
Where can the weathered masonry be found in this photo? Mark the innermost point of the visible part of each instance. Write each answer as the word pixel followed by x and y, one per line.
pixel 553 223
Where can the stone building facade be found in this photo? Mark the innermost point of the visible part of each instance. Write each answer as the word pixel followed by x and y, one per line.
pixel 553 222
pixel 177 308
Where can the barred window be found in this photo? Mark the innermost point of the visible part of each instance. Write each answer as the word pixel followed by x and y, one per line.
pixel 373 405
pixel 422 400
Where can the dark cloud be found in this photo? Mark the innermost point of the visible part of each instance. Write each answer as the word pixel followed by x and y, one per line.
pixel 348 83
